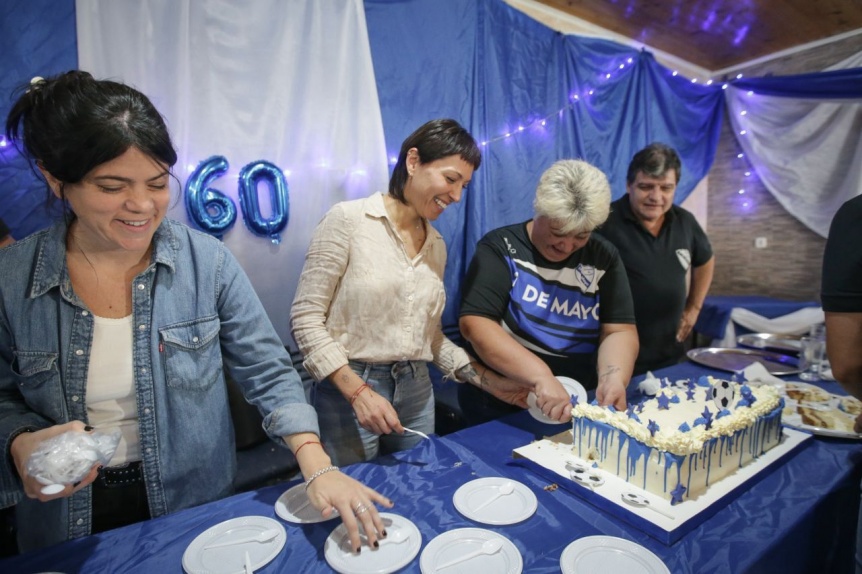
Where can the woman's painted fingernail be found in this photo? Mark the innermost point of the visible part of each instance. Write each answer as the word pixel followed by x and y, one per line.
pixel 376 544
pixel 88 428
pixel 358 550
pixel 384 534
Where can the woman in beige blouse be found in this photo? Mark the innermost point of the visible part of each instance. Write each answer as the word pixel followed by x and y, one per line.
pixel 367 310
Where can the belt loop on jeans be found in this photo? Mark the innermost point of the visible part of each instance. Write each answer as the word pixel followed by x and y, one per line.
pixel 401 367
pixel 113 476
pixel 366 371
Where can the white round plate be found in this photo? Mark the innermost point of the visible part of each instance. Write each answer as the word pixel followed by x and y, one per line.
pixel 572 387
pixel 231 559
pixel 389 557
pixel 293 506
pixel 609 555
pixel 506 509
pixel 450 545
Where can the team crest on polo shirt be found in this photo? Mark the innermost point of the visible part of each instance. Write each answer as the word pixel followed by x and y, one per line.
pixel 684 256
pixel 586 274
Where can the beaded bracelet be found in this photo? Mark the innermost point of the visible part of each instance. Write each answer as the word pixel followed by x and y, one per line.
pixel 318 473
pixel 356 393
pixel 296 452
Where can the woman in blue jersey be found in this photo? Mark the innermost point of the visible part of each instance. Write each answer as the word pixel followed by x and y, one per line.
pixel 546 298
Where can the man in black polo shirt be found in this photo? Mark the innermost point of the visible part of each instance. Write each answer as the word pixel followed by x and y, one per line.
pixel 667 256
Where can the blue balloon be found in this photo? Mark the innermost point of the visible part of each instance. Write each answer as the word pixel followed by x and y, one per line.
pixel 249 178
pixel 209 209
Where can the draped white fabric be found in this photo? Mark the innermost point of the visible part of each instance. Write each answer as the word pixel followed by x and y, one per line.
pixel 287 81
pixel 808 153
pixel 796 323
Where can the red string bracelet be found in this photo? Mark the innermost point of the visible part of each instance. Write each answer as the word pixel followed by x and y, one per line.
pixel 296 452
pixel 356 393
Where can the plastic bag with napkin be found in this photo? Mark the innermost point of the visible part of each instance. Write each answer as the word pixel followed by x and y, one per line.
pixel 67 458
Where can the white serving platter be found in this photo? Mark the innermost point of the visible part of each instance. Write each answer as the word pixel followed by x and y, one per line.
pixel 550 455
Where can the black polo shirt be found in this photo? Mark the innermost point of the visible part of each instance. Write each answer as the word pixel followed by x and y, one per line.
pixel 657 269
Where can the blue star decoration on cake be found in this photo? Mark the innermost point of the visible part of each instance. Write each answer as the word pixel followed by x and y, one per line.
pixel 689 394
pixel 705 420
pixel 676 494
pixel 652 427
pixel 631 413
pixel 573 400
pixel 684 427
pixel 689 383
pixel 748 397
pixel 663 401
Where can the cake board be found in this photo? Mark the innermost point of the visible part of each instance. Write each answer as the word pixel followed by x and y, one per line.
pixel 548 458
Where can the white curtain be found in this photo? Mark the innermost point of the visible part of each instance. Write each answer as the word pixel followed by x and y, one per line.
pixel 808 153
pixel 287 81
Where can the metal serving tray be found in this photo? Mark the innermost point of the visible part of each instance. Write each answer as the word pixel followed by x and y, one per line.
pixel 771 342
pixel 737 359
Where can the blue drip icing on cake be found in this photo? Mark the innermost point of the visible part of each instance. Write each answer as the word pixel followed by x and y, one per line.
pixel 661 471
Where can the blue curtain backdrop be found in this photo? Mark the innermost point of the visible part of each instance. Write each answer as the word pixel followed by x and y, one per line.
pixel 38 39
pixel 499 72
pixel 481 62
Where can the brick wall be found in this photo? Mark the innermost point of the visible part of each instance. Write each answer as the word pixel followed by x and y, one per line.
pixel 789 267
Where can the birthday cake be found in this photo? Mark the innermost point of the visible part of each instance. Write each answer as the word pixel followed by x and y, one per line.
pixel 689 436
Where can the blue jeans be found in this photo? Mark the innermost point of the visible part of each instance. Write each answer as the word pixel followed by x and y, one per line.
pixel 405 384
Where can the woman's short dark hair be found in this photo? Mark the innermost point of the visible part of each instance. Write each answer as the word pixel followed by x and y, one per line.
pixel 71 123
pixel 434 140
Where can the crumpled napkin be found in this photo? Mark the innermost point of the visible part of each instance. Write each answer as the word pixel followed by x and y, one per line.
pixel 650 385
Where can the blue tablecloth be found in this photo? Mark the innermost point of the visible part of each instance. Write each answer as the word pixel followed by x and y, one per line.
pixel 716 310
pixel 799 518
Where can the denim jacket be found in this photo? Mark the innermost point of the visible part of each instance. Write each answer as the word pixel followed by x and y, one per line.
pixel 194 311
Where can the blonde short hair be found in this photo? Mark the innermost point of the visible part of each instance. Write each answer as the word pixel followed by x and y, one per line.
pixel 575 194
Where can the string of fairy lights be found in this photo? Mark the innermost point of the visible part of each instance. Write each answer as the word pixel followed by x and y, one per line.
pixel 575 98
pixel 746 201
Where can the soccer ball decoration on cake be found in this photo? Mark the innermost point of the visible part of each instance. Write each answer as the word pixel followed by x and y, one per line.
pixel 723 393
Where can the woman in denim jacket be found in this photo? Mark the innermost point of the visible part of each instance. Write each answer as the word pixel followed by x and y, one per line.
pixel 118 318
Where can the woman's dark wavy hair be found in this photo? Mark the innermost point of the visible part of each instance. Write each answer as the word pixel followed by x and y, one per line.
pixel 434 140
pixel 71 123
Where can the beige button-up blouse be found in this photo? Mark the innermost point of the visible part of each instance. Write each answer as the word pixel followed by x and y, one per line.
pixel 361 297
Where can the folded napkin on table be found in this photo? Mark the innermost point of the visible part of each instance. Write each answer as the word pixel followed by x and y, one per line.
pixel 756 372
